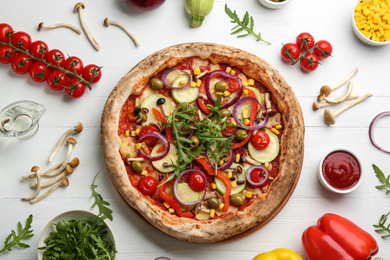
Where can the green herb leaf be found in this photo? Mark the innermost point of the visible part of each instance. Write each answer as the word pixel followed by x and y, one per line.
pixel 14 239
pixel 103 210
pixel 382 227
pixel 382 178
pixel 243 24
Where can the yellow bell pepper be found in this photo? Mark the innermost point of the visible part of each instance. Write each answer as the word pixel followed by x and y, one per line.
pixel 278 254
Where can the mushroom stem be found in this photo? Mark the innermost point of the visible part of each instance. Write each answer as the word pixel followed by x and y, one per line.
pixel 317 106
pixel 51 168
pixel 341 99
pixel 325 92
pixel 248 159
pixel 78 128
pixel 68 170
pixel 64 181
pixel 58 25
pixel 35 170
pixel 107 23
pixel 330 117
pixel 70 142
pixel 79 8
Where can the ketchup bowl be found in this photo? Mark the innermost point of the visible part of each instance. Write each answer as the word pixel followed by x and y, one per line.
pixel 340 171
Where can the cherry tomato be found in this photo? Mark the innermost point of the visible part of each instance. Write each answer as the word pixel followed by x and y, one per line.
pixel 4 29
pixel 21 63
pixel 310 62
pixel 55 57
pixel 38 49
pixel 196 181
pixel 229 130
pixel 147 185
pixel 92 73
pixel 39 71
pixel 74 64
pixel 325 49
pixel 291 48
pixel 147 129
pixel 260 140
pixel 57 80
pixel 258 176
pixel 74 88
pixel 232 85
pixel 6 54
pixel 21 40
pixel 305 38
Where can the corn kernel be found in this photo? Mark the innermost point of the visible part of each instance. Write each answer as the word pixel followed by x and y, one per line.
pixel 212 213
pixel 227 158
pixel 229 174
pixel 220 207
pixel 273 130
pixel 213 186
pixel 166 205
pixel 193 84
pixel 127 133
pixel 219 93
pixel 232 72
pixel 144 173
pixel 244 83
pixel 232 121
pixel 246 121
pixel 221 162
pixel 138 146
pixel 228 70
pixel 238 157
pixel 245 93
pixel 198 83
pixel 226 93
pixel 171 210
pixel 245 113
pixel 278 127
pixel 248 194
pixel 233 183
pixel 268 165
pixel 251 82
pixel 196 71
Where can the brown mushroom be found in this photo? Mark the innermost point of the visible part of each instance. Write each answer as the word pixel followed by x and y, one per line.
pixel 324 92
pixel 342 98
pixel 129 160
pixel 107 23
pixel 79 8
pixel 71 142
pixel 51 168
pixel 317 106
pixel 246 158
pixel 58 25
pixel 35 170
pixel 77 129
pixel 68 170
pixel 64 181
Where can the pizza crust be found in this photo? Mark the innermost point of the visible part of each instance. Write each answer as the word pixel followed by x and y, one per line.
pixel 263 209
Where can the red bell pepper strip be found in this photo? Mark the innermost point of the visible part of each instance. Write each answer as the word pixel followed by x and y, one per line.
pixel 336 237
pixel 201 101
pixel 237 145
pixel 171 201
pixel 226 196
pixel 168 130
pixel 205 165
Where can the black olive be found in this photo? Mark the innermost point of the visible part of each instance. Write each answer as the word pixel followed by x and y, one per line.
pixel 160 101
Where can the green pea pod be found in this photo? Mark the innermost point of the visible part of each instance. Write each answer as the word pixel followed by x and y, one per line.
pixel 197 10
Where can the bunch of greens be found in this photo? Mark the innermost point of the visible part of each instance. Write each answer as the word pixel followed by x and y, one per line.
pixel 14 239
pixel 208 131
pixel 82 239
pixel 382 227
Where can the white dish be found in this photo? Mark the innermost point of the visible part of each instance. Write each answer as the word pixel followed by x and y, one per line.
pixel 69 215
pixel 331 188
pixel 274 5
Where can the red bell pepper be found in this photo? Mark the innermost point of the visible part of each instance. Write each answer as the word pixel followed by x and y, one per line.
pixel 205 165
pixel 228 185
pixel 167 129
pixel 336 237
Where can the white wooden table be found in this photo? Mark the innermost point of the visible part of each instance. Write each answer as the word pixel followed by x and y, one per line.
pixel 168 25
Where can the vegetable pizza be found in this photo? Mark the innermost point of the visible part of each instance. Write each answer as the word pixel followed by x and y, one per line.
pixel 205 141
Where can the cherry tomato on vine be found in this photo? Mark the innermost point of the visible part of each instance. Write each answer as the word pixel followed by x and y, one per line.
pixel 309 62
pixel 147 185
pixel 38 71
pixel 38 49
pixel 74 64
pixel 6 54
pixel 260 140
pixel 303 38
pixel 21 40
pixel 291 48
pixel 21 63
pixel 4 29
pixel 92 72
pixel 56 80
pixel 148 129
pixel 55 57
pixel 325 49
pixel 74 88
pixel 196 181
pixel 257 176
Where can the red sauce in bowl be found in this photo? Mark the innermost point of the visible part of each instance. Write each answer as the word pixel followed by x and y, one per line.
pixel 341 170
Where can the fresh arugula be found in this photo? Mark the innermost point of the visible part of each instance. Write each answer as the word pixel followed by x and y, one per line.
pixel 382 227
pixel 81 238
pixel 247 23
pixel 14 239
pixel 382 178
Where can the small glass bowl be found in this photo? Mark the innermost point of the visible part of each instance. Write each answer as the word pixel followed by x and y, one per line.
pixel 331 188
pixel 360 36
pixel 69 215
pixel 274 5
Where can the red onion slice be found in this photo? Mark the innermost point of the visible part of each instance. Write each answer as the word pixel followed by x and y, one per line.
pixel 210 97
pixel 263 181
pixel 236 111
pixel 187 203
pixel 371 130
pixel 226 165
pixel 165 74
pixel 162 138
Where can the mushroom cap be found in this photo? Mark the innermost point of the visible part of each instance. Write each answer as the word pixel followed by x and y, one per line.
pixel 69 169
pixel 324 92
pixel 329 117
pixel 79 127
pixel 71 141
pixel 106 22
pixel 77 6
pixel 34 169
pixel 75 162
pixel 315 106
pixel 40 26
pixel 65 181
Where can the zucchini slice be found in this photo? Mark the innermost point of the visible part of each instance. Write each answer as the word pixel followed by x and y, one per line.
pixel 269 153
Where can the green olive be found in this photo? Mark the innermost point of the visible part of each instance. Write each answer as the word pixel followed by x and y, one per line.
pixel 137 166
pixel 194 141
pixel 183 105
pixel 156 83
pixel 221 86
pixel 237 199
pixel 240 134
pixel 213 203
pixel 225 112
